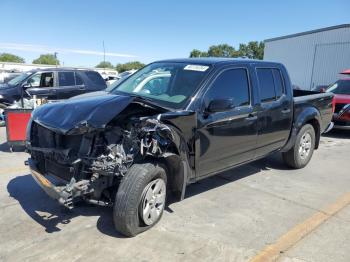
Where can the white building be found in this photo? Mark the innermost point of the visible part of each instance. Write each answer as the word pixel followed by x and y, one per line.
pixel 312 58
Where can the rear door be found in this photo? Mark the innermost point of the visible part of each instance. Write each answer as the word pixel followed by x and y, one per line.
pixel 69 84
pixel 227 138
pixel 275 114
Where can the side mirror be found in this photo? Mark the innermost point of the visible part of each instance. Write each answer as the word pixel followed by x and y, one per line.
pixel 26 85
pixel 220 105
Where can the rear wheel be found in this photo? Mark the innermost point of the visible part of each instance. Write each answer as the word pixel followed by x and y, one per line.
pixel 140 199
pixel 300 154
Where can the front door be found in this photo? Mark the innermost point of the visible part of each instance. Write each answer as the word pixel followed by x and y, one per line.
pixel 227 138
pixel 42 85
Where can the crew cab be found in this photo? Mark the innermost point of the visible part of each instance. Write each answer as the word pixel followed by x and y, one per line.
pixel 133 145
pixel 50 83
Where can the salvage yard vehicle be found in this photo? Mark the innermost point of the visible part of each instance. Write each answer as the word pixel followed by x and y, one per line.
pixel 341 103
pixel 50 83
pixel 130 147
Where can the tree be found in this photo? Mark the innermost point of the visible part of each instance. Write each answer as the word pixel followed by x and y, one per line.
pixel 129 66
pixel 47 59
pixel 253 50
pixel 223 50
pixel 6 57
pixel 105 64
pixel 198 53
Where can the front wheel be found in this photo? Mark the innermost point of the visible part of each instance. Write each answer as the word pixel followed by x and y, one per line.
pixel 300 154
pixel 140 199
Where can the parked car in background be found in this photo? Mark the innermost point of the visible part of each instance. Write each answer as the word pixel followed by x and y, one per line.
pixel 6 76
pixel 341 103
pixel 170 124
pixel 51 83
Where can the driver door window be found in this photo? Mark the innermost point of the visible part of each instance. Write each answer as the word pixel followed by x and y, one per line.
pixel 232 83
pixel 45 79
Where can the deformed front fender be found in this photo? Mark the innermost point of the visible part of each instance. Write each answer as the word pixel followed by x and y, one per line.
pixel 180 162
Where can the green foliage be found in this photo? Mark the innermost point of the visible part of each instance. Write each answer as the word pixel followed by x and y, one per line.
pixel 253 50
pixel 47 59
pixel 198 53
pixel 223 50
pixel 7 57
pixel 105 64
pixel 129 66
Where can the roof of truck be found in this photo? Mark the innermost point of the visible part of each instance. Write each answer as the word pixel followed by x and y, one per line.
pixel 217 60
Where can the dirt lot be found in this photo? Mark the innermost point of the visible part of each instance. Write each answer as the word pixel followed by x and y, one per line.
pixel 258 212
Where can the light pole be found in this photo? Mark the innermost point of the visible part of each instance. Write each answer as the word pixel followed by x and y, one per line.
pixel 55 54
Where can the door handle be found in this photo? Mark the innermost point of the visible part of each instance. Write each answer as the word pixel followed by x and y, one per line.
pixel 251 117
pixel 285 111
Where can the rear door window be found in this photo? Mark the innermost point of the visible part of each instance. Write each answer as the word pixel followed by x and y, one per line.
pixel 278 81
pixel 66 79
pixel 266 83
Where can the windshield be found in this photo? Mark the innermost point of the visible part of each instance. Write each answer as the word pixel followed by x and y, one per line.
pixel 341 87
pixel 19 79
pixel 168 84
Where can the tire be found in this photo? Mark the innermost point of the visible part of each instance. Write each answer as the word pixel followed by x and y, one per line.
pixel 131 199
pixel 300 154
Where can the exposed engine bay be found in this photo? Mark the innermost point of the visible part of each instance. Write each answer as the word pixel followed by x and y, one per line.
pixel 88 165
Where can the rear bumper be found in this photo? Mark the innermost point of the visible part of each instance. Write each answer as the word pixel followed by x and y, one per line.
pixel 339 124
pixel 342 127
pixel 329 127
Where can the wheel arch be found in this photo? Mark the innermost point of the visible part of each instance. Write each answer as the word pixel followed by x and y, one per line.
pixel 309 115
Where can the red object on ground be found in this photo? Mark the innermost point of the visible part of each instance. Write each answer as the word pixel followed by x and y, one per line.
pixel 16 125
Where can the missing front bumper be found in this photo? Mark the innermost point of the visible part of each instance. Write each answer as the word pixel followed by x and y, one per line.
pixel 63 194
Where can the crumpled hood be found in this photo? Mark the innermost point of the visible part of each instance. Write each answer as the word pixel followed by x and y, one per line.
pixel 84 113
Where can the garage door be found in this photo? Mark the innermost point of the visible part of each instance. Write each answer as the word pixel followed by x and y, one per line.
pixel 329 60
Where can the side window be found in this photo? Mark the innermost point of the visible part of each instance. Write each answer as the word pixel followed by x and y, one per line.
pixel 78 80
pixel 34 81
pixel 279 87
pixel 41 80
pixel 232 83
pixel 267 87
pixel 66 79
pixel 95 77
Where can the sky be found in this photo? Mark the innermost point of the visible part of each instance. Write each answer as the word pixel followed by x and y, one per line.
pixel 152 30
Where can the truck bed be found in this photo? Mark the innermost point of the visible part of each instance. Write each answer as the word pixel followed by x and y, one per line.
pixel 322 102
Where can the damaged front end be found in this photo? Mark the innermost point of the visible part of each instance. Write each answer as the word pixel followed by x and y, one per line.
pixel 88 162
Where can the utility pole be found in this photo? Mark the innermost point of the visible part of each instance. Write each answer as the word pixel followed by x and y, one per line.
pixel 55 54
pixel 104 55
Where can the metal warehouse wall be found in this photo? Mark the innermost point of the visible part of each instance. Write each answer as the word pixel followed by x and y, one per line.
pixel 312 59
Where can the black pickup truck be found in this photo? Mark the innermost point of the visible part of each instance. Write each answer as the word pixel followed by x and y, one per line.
pixel 170 124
